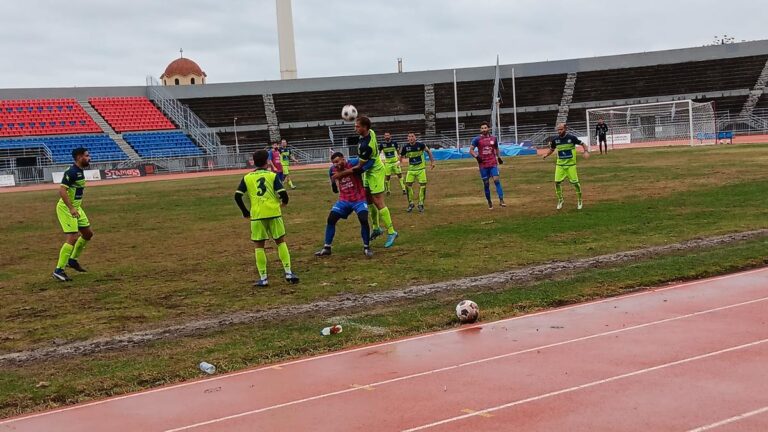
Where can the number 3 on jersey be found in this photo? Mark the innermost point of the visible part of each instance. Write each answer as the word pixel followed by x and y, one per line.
pixel 262 186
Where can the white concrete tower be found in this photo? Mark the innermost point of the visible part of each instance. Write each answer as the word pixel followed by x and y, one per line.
pixel 285 40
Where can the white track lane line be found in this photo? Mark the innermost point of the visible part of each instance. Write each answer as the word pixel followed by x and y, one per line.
pixel 587 385
pixel 382 344
pixel 471 363
pixel 730 420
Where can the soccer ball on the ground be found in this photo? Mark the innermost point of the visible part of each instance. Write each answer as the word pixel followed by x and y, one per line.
pixel 467 311
pixel 349 113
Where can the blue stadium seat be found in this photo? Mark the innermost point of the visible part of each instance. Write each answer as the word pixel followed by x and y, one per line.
pixel 101 147
pixel 162 144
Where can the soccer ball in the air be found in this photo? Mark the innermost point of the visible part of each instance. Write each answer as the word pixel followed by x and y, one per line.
pixel 349 113
pixel 467 311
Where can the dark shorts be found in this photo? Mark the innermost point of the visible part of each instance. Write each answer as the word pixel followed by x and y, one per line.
pixel 601 139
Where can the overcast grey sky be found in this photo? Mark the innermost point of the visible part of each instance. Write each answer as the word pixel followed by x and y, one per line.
pixel 54 43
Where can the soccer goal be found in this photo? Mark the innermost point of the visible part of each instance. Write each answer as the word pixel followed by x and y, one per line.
pixel 682 122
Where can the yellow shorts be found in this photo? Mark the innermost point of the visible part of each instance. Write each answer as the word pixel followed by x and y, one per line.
pixel 264 229
pixel 419 176
pixel 70 224
pixel 566 171
pixel 391 169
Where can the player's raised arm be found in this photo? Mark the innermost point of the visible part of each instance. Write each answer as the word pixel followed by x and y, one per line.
pixel 241 190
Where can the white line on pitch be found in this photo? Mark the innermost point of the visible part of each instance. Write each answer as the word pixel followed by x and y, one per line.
pixel 587 385
pixel 730 420
pixel 471 363
pixel 382 344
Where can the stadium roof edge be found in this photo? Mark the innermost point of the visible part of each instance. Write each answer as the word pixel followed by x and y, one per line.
pixel 742 49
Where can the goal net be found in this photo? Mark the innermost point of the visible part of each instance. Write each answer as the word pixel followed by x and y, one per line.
pixel 664 123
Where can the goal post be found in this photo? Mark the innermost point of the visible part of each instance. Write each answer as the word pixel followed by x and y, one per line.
pixel 683 122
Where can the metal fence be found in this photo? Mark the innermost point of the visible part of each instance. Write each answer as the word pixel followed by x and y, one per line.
pixel 318 151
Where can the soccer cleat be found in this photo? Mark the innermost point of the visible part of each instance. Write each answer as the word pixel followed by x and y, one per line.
pixel 490 205
pixel 291 278
pixel 502 203
pixel 405 192
pixel 261 283
pixel 391 239
pixel 375 233
pixel 293 187
pixel 60 276
pixel 421 208
pixel 368 252
pixel 559 204
pixel 579 205
pixel 410 207
pixel 74 264
pixel 325 251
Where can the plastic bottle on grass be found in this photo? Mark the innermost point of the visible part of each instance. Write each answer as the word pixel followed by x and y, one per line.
pixel 331 330
pixel 207 368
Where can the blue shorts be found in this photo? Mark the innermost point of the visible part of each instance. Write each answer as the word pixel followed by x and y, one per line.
pixel 345 208
pixel 280 176
pixel 486 173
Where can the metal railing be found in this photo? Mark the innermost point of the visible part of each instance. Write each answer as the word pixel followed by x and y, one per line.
pixel 187 120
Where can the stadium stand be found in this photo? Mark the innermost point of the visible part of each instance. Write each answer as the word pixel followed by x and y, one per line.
pixel 669 79
pixel 101 147
pixel 762 103
pixel 221 111
pixel 162 144
pixel 135 113
pixel 27 117
pixel 474 95
pixel 373 102
pixel 248 141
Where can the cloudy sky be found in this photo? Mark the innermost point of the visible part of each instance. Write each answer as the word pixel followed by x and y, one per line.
pixel 54 43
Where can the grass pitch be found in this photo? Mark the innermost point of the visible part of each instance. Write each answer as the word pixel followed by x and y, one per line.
pixel 168 252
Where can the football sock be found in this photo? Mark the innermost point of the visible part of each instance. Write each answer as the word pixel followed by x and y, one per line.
pixel 577 186
pixel 387 219
pixel 487 189
pixel 64 254
pixel 374 215
pixel 261 262
pixel 285 256
pixel 365 229
pixel 386 185
pixel 330 228
pixel 402 183
pixel 499 190
pixel 422 193
pixel 559 191
pixel 80 244
pixel 410 194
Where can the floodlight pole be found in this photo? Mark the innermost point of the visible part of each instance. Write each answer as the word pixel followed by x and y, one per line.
pixel 514 104
pixel 237 145
pixel 456 108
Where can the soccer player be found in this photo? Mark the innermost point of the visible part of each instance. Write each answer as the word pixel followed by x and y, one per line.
pixel 74 222
pixel 352 198
pixel 286 157
pixel 373 179
pixel 414 152
pixel 266 195
pixel 601 132
pixel 275 163
pixel 485 148
pixel 565 145
pixel 391 150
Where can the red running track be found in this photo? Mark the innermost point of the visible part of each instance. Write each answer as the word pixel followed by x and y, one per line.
pixel 690 357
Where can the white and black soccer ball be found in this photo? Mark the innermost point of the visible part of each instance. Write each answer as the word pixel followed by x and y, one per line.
pixel 349 113
pixel 467 311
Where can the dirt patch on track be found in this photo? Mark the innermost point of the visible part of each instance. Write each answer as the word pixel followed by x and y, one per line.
pixel 354 302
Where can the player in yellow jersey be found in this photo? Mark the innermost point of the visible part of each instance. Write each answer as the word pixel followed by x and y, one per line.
pixel 72 217
pixel 267 196
pixel 391 150
pixel 372 168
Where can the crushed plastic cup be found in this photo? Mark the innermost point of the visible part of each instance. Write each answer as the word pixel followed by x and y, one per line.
pixel 207 368
pixel 331 330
